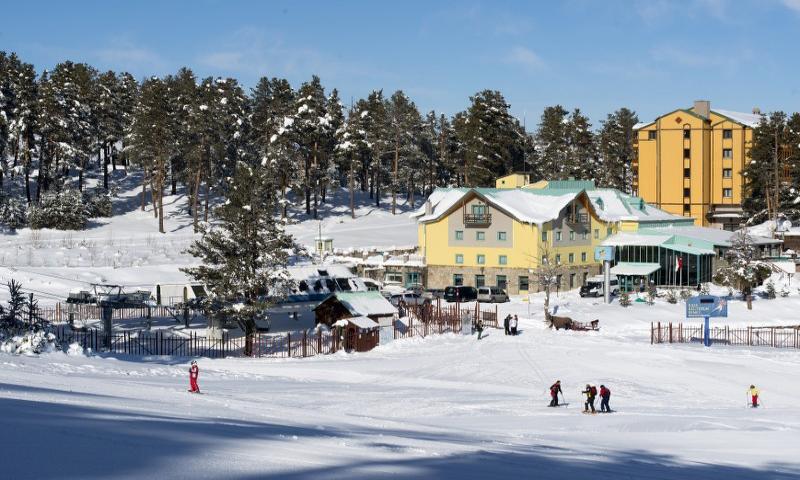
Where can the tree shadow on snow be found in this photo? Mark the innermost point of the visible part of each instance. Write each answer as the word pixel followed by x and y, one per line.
pixel 48 440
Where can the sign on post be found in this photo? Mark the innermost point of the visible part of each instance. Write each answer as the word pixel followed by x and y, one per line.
pixel 604 253
pixel 706 306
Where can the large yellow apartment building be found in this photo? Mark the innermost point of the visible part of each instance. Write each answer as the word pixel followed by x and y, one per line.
pixel 689 162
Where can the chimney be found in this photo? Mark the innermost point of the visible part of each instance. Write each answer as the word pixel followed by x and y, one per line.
pixel 702 108
pixel 756 111
pixel 428 207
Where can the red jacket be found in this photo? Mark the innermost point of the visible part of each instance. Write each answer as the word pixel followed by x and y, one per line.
pixel 193 371
pixel 604 392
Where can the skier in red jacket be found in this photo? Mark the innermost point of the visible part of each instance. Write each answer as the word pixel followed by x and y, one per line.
pixel 193 373
pixel 605 395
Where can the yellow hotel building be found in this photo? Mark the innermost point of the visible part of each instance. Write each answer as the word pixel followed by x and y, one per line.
pixel 689 162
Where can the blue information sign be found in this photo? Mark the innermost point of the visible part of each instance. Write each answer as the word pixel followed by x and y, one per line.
pixel 604 253
pixel 706 306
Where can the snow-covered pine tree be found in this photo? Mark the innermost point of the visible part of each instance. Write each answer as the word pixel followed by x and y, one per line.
pixel 552 143
pixel 13 214
pixel 378 135
pixel 22 127
pixel 333 172
pixel 150 140
pixel 125 102
pixel 744 268
pixel 772 171
pixel 312 132
pixel 244 254
pixel 404 128
pixel 582 161
pixel 616 150
pixel 273 109
pixel 352 150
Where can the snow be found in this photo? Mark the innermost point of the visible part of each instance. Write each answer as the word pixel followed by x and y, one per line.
pixel 366 303
pixel 749 119
pixel 446 406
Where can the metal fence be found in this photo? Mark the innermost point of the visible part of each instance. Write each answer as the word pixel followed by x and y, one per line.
pixel 82 312
pixel 420 323
pixel 777 337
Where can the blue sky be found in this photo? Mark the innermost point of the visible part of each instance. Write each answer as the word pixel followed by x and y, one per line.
pixel 651 55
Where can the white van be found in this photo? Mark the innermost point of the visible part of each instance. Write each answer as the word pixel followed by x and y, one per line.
pixel 492 294
pixel 595 286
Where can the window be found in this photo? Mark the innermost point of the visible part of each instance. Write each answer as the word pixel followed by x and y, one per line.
pixel 687 208
pixel 596 233
pixel 583 257
pixel 502 282
pixel 393 277
pixel 652 134
pixel 727 153
pixel 459 258
pixel 412 278
pixel 571 280
pixel 558 236
pixel 687 192
pixel 687 173
pixel 479 209
pixel 572 235
pixel 524 285
pixel 571 258
pixel 558 280
pixel 501 236
pixel 458 279
pixel 459 234
pixel 544 236
pixel 558 259
pixel 480 235
pixel 585 235
pixel 727 134
pixel 687 153
pixel 502 260
pixel 727 173
pixel 608 231
pixel 687 134
pixel 480 281
pixel 727 192
pixel 481 259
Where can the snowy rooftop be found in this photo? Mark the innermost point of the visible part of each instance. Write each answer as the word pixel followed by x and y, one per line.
pixel 749 119
pixel 366 303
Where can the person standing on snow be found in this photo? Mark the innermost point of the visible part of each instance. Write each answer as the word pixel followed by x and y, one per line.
pixel 506 324
pixel 591 393
pixel 555 389
pixel 479 327
pixel 605 396
pixel 514 323
pixel 193 374
pixel 753 392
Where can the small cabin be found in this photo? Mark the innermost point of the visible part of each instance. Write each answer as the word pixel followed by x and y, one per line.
pixel 359 334
pixel 342 305
pixel 324 245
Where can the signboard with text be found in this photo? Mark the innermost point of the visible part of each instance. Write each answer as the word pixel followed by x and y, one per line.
pixel 706 306
pixel 604 253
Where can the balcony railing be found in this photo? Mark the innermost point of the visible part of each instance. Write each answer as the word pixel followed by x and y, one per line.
pixel 477 220
pixel 579 218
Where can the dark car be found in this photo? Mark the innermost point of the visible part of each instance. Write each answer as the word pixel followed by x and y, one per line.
pixel 460 294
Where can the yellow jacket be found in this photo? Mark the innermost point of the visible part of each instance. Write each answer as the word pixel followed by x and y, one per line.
pixel 753 391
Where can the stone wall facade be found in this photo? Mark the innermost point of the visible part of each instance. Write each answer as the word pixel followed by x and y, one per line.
pixel 441 276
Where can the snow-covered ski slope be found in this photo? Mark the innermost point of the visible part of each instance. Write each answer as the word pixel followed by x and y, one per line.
pixel 440 407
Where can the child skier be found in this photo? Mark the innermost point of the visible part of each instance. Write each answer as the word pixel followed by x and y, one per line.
pixel 591 393
pixel 555 389
pixel 193 373
pixel 605 395
pixel 753 392
pixel 479 328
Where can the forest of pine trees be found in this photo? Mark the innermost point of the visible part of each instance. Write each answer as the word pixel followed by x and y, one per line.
pixel 62 127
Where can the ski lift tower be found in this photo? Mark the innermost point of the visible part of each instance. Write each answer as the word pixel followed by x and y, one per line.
pixel 110 298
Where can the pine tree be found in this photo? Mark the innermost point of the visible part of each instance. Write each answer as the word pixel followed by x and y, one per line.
pixel 312 132
pixel 552 143
pixel 352 149
pixel 582 161
pixel 378 136
pixel 772 173
pixel 273 110
pixel 404 129
pixel 243 255
pixel 151 141
pixel 616 150
pixel 744 268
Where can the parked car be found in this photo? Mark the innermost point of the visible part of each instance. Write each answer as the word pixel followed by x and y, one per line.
pixel 460 294
pixel 595 286
pixel 410 298
pixel 390 288
pixel 492 294
pixel 433 293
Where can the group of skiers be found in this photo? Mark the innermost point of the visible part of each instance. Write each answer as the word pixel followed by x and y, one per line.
pixel 510 324
pixel 591 393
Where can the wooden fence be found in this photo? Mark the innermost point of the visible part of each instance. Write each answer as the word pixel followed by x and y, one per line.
pixel 778 337
pixel 421 322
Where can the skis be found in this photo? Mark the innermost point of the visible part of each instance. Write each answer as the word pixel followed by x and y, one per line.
pixel 197 392
pixel 559 405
